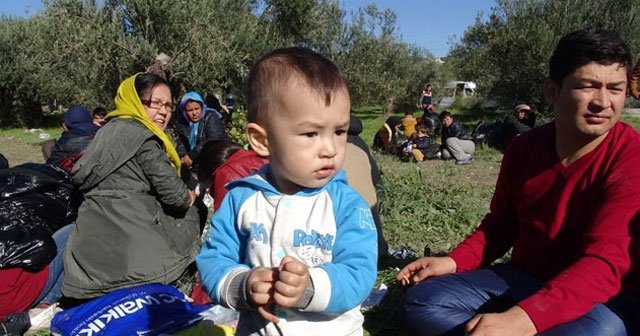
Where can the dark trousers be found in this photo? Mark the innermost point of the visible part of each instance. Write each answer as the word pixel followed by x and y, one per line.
pixel 443 305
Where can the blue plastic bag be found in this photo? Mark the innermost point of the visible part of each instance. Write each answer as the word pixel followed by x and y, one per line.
pixel 143 310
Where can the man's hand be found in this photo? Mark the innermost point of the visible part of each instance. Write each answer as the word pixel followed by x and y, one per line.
pixel 293 278
pixel 513 322
pixel 424 268
pixel 260 289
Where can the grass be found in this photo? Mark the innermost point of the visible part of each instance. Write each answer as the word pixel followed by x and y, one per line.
pixel 431 203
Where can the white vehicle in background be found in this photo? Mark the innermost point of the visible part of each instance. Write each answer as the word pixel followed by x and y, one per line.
pixel 456 89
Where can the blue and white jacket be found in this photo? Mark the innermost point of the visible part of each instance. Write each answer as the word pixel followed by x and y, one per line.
pixel 330 229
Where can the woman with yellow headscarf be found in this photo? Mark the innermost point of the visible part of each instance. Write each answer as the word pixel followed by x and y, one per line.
pixel 136 223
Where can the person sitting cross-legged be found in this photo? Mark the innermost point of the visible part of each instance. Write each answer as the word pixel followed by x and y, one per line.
pixel 456 140
pixel 567 205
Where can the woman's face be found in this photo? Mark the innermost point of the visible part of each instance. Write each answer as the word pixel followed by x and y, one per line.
pixel 158 104
pixel 193 110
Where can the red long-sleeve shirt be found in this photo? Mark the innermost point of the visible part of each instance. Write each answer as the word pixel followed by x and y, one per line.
pixel 19 288
pixel 570 226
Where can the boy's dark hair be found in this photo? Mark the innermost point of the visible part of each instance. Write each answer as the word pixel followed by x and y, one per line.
pixel 445 114
pixel 283 66
pixel 212 101
pixel 422 128
pixel 584 46
pixel 99 111
pixel 214 153
pixel 145 82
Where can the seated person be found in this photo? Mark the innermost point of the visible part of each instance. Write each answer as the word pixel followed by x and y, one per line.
pixel 423 146
pixel 136 223
pixel 387 139
pixel 519 121
pixel 194 126
pixel 409 124
pixel 365 178
pixel 21 290
pixel 79 130
pixel 431 119
pixel 214 154
pixel 35 209
pixel 456 140
pixel 98 115
pixel 213 105
pixel 566 204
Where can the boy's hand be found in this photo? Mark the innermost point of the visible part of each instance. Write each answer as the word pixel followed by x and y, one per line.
pixel 292 281
pixel 260 290
pixel 424 268
pixel 186 160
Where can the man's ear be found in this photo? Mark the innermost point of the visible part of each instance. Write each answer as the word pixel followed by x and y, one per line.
pixel 257 137
pixel 551 90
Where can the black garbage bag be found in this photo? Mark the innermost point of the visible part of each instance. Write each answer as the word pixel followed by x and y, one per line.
pixel 35 201
pixel 490 133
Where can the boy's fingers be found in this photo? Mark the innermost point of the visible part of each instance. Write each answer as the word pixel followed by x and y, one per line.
pixel 267 315
pixel 289 264
pixel 264 274
pixel 261 287
pixel 285 301
pixel 261 298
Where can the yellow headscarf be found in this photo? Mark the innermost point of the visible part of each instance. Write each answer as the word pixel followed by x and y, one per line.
pixel 128 105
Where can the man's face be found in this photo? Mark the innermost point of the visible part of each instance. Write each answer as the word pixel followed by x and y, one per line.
pixel 590 100
pixel 307 138
pixel 447 121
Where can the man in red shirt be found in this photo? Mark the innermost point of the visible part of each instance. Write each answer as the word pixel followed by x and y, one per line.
pixel 567 202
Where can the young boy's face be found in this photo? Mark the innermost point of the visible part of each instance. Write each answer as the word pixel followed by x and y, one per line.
pixel 98 120
pixel 306 138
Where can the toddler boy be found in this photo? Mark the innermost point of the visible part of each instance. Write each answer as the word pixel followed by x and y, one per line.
pixel 293 247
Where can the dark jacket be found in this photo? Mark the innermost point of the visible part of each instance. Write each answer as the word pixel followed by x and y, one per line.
pixel 134 225
pixel 70 144
pixel 515 126
pixel 423 142
pixel 211 128
pixel 455 130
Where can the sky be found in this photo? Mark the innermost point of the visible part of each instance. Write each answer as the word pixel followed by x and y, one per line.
pixel 431 24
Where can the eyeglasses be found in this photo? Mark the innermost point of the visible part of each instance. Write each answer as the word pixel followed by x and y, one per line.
pixel 156 105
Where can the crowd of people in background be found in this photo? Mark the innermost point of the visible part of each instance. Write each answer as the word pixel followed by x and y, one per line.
pixel 295 233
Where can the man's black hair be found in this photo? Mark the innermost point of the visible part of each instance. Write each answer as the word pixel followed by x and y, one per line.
pixel 584 46
pixel 445 114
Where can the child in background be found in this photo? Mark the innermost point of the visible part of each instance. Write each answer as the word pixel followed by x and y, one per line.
pixel 293 247
pixel 423 146
pixel 97 116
